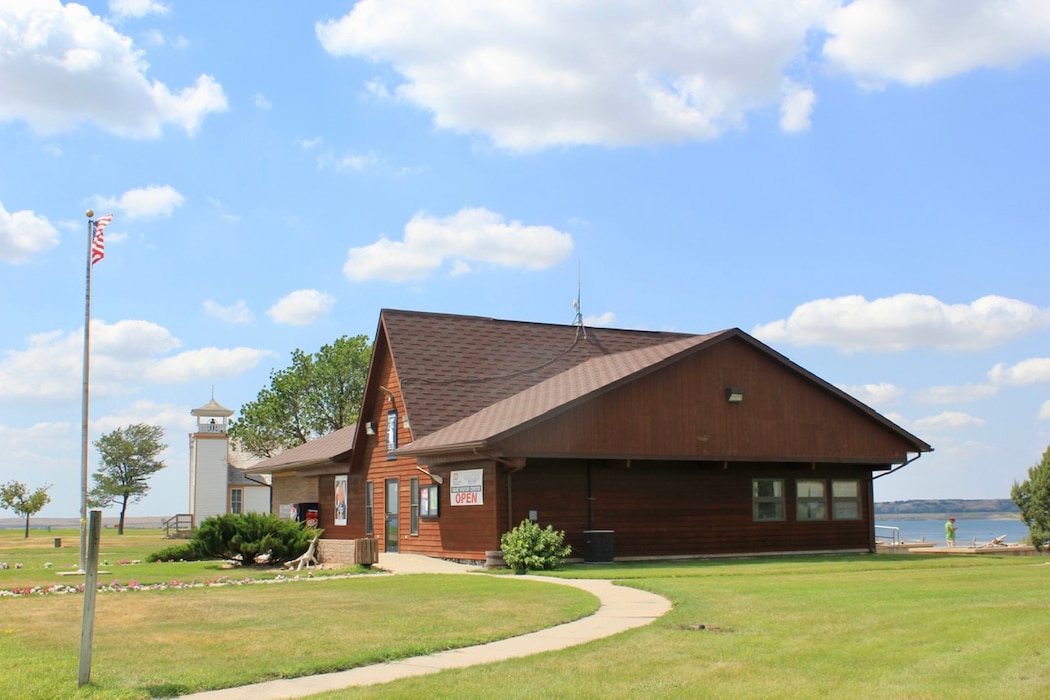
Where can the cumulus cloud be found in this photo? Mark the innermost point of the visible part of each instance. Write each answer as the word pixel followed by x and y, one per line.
pixel 145 202
pixel 1035 370
pixel 191 365
pixel 301 307
pixel 23 234
pixel 796 108
pixel 956 394
pixel 238 313
pixel 881 394
pixel 123 355
pixel 949 420
pixel 605 319
pixel 58 59
pixel 905 321
pixel 881 41
pixel 1044 411
pixel 143 411
pixel 261 102
pixel 137 8
pixel 532 74
pixel 469 235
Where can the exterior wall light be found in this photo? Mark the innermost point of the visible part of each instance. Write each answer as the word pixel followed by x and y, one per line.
pixel 735 394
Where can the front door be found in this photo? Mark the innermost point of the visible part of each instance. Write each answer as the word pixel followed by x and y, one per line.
pixel 392 534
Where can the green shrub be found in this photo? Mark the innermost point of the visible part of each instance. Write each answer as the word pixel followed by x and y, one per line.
pixel 243 537
pixel 530 547
pixel 179 552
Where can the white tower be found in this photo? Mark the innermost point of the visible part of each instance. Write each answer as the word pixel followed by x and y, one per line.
pixel 209 446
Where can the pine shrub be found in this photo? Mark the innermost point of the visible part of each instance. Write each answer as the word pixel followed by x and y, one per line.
pixel 243 538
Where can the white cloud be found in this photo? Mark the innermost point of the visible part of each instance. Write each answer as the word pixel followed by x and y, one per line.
pixel 472 234
pixel 24 445
pixel 949 420
pixel 348 161
pixel 605 319
pixel 905 321
pixel 1035 370
pixel 164 415
pixel 532 74
pixel 796 107
pixel 301 307
pixel 59 59
pixel 238 313
pixel 880 41
pixel 956 394
pixel 155 200
pixel 123 354
pixel 261 102
pixel 881 394
pixel 193 365
pixel 137 8
pixel 1044 411
pixel 24 234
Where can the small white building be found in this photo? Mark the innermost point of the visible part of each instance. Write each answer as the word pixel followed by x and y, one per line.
pixel 218 484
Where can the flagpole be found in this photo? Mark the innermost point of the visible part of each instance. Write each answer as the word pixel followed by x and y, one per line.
pixel 84 400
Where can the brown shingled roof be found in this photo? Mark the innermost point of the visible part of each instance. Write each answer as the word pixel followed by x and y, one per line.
pixel 469 380
pixel 334 447
pixel 451 367
pixel 553 396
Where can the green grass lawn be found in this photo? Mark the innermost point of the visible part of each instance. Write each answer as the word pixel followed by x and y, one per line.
pixel 882 626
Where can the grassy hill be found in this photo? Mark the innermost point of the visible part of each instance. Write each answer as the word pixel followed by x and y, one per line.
pixel 966 508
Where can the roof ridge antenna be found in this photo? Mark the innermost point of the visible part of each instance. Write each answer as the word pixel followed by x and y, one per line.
pixel 578 319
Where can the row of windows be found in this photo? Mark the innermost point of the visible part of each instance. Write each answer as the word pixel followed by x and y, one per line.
pixel 769 501
pixel 811 499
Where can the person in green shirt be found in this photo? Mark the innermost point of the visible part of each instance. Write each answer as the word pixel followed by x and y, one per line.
pixel 949 532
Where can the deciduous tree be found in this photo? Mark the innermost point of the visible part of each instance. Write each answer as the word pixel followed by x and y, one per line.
pixel 319 393
pixel 1032 496
pixel 14 495
pixel 128 459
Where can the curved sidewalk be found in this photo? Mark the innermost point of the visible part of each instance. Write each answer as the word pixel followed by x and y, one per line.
pixel 621 609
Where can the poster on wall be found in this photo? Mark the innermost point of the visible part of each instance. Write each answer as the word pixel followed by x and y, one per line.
pixel 466 487
pixel 340 499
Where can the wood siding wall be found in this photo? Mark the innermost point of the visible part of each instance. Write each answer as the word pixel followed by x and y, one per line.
pixel 463 532
pixel 683 508
pixel 681 411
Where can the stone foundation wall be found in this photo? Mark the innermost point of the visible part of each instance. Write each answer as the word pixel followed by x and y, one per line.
pixel 364 551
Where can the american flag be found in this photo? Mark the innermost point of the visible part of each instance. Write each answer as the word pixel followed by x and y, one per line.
pixel 98 246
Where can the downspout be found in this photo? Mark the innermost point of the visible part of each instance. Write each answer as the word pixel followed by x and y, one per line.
pixel 871 521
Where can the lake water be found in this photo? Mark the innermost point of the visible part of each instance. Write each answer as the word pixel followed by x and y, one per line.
pixel 969 530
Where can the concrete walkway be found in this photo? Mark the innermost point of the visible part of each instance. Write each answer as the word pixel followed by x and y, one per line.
pixel 621 609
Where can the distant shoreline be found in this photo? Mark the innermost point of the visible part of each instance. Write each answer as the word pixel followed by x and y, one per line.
pixel 944 516
pixel 142 523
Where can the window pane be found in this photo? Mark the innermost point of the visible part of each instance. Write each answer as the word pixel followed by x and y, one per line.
pixel 810 489
pixel 369 508
pixel 811 509
pixel 846 510
pixel 768 488
pixel 771 510
pixel 845 489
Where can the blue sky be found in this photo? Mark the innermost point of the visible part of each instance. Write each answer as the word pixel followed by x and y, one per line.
pixel 863 186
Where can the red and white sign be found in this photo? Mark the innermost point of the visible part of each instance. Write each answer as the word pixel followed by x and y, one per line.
pixel 467 487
